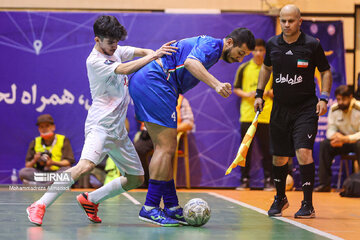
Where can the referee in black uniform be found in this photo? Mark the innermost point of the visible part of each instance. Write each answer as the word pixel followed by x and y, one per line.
pixel 293 56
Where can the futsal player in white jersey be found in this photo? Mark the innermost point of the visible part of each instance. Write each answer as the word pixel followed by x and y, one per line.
pixel 105 132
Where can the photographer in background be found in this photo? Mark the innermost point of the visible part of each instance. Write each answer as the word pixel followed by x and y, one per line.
pixel 49 152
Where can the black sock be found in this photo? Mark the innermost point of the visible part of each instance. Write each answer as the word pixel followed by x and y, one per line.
pixel 280 174
pixel 307 179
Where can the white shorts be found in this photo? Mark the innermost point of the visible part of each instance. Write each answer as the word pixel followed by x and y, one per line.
pixel 99 145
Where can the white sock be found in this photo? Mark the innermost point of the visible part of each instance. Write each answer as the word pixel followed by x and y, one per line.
pixel 174 208
pixel 54 191
pixel 148 208
pixel 109 190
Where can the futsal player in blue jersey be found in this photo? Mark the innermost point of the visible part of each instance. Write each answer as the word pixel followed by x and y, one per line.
pixel 155 89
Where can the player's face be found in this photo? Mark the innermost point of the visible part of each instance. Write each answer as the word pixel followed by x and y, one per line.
pixel 236 54
pixel 107 45
pixel 259 53
pixel 343 102
pixel 290 23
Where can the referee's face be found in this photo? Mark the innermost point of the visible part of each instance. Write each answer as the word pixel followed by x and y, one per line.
pixel 290 23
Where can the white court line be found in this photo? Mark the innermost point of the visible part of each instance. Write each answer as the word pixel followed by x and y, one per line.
pixel 297 224
pixel 136 202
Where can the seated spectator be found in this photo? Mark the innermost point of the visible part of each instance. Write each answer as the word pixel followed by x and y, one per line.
pixel 49 152
pixel 143 143
pixel 342 135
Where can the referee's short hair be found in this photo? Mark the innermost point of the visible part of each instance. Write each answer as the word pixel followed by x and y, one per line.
pixel 241 36
pixel 107 26
pixel 344 91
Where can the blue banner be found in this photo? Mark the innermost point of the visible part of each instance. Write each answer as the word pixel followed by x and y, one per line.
pixel 43 71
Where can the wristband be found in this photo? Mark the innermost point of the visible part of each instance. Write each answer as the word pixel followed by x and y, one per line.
pixel 259 93
pixel 324 97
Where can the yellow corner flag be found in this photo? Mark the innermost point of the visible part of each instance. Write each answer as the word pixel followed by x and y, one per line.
pixel 244 146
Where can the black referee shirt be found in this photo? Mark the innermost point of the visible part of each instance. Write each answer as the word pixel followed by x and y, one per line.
pixel 294 67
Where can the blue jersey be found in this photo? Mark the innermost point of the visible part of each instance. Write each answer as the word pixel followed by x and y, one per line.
pixel 205 49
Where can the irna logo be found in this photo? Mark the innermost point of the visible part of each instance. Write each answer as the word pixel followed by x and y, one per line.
pixel 52 177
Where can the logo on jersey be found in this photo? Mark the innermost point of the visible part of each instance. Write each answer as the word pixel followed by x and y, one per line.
pixel 286 79
pixel 109 62
pixel 289 53
pixel 309 136
pixel 306 184
pixel 302 63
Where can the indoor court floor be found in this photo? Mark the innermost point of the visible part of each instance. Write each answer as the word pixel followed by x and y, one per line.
pixel 234 215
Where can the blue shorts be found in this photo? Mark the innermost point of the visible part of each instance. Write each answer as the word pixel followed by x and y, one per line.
pixel 155 99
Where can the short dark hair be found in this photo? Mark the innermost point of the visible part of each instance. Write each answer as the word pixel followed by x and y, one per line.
pixel 260 42
pixel 241 36
pixel 343 90
pixel 107 26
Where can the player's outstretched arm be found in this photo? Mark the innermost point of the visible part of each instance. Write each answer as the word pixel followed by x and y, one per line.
pixel 196 68
pixel 149 55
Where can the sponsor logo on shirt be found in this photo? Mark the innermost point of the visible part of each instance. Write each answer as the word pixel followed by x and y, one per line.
pixel 109 62
pixel 306 184
pixel 302 63
pixel 289 53
pixel 286 79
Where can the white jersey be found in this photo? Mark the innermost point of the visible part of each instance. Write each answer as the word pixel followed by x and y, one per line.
pixel 109 92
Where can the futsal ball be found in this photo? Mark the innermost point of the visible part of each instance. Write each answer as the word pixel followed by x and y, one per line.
pixel 196 212
pixel 289 182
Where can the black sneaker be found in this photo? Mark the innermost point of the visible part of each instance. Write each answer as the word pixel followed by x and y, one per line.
pixel 269 186
pixel 323 188
pixel 306 210
pixel 244 184
pixel 278 206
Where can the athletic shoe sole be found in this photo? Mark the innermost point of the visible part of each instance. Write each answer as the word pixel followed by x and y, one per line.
pixel 182 222
pixel 85 211
pixel 280 214
pixel 38 224
pixel 312 215
pixel 163 225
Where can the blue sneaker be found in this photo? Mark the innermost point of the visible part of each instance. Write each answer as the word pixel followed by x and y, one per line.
pixel 157 216
pixel 176 215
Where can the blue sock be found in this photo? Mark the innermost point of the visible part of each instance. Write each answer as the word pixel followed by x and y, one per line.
pixel 170 198
pixel 154 194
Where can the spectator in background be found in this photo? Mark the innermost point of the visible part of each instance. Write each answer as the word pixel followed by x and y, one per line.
pixel 144 145
pixel 48 152
pixel 245 84
pixel 342 135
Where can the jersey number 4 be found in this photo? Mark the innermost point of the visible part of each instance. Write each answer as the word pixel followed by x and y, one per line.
pixel 173 116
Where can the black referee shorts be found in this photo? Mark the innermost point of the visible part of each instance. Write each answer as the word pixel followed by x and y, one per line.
pixel 293 127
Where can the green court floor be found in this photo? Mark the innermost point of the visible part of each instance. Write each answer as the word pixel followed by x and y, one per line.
pixel 65 220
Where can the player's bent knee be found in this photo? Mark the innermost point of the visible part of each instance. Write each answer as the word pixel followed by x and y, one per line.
pixel 134 182
pixel 137 181
pixel 85 166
